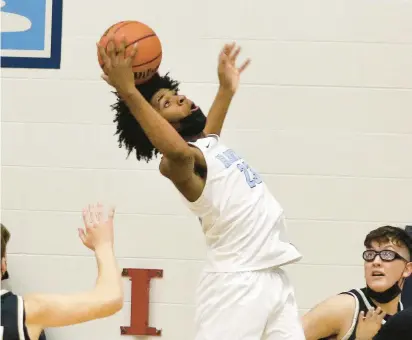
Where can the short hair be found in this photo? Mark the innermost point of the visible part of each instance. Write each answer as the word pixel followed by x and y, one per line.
pixel 387 234
pixel 5 237
pixel 131 134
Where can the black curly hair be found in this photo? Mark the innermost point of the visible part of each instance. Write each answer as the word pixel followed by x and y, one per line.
pixel 131 134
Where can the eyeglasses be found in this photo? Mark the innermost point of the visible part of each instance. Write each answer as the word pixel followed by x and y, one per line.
pixel 385 255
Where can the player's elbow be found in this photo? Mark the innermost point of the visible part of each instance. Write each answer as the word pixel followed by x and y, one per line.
pixel 109 305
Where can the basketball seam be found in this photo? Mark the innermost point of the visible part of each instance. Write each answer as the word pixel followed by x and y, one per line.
pixel 123 24
pixel 108 30
pixel 148 62
pixel 140 39
pixel 137 40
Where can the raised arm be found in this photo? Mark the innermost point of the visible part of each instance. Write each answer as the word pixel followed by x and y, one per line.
pixel 229 77
pixel 119 74
pixel 106 298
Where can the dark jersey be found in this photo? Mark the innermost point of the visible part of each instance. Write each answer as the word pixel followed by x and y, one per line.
pixel 13 318
pixel 363 304
pixel 407 293
pixel 399 327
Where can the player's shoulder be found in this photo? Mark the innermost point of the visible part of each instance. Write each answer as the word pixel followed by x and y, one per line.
pixel 329 317
pixel 205 142
pixel 8 297
pixel 336 308
pixel 340 305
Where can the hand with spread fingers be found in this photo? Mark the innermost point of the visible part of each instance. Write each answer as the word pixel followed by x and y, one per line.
pixel 228 72
pixel 117 65
pixel 98 227
pixel 369 325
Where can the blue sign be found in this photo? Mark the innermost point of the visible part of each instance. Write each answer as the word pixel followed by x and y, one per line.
pixel 31 33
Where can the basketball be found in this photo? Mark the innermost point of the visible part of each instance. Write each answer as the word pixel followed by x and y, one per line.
pixel 149 53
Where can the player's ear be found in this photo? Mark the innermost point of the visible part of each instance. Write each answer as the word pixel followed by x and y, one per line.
pixel 408 270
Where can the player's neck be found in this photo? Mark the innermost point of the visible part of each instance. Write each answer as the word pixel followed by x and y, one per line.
pixel 391 307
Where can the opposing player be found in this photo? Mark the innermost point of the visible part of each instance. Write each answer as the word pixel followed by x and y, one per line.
pixel 243 292
pixel 25 317
pixel 387 263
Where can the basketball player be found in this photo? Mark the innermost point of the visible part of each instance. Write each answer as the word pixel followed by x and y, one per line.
pixel 24 318
pixel 243 292
pixel 387 264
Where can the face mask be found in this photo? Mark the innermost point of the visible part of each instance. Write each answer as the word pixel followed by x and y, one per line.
pixel 386 296
pixel 193 124
pixel 5 276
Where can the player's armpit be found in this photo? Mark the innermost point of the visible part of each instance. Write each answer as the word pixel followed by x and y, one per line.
pixel 49 310
pixel 182 174
pixel 329 318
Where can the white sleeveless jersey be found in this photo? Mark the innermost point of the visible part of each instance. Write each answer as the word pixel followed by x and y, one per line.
pixel 243 224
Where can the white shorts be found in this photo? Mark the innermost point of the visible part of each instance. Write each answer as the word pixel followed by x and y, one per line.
pixel 247 306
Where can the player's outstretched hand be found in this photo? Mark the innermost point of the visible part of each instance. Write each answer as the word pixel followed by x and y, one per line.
pixel 228 72
pixel 117 67
pixel 369 325
pixel 98 231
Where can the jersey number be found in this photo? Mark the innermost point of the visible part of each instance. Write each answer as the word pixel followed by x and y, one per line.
pixel 252 178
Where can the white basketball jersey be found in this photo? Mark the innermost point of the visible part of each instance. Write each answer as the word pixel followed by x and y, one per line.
pixel 244 225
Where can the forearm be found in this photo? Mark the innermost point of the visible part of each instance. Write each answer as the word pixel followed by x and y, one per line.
pixel 162 135
pixel 56 310
pixel 109 277
pixel 218 111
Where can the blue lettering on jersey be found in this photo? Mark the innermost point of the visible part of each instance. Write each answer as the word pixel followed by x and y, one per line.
pixel 229 157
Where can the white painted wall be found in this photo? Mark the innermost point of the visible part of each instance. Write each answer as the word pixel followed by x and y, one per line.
pixel 324 113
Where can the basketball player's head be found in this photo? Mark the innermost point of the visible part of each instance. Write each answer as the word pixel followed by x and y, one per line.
pixel 387 258
pixel 163 95
pixel 5 237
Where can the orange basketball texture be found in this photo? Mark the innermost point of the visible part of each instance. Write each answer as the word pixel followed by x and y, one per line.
pixel 149 53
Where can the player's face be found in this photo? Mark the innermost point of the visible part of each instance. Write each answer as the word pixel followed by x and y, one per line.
pixel 171 106
pixel 380 275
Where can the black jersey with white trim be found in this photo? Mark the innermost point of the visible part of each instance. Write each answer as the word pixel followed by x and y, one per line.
pixel 13 318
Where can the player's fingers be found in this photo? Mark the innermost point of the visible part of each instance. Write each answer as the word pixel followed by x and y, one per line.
pixel 379 314
pixel 99 211
pixel 369 314
pixel 86 218
pixel 133 52
pixel 93 215
pixel 103 55
pixel 227 49
pixel 235 54
pixel 111 213
pixel 111 49
pixel 82 235
pixel 121 47
pixel 361 316
pixel 244 65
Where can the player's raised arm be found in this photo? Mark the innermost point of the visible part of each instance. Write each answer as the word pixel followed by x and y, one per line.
pixel 119 74
pixel 229 78
pixel 106 298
